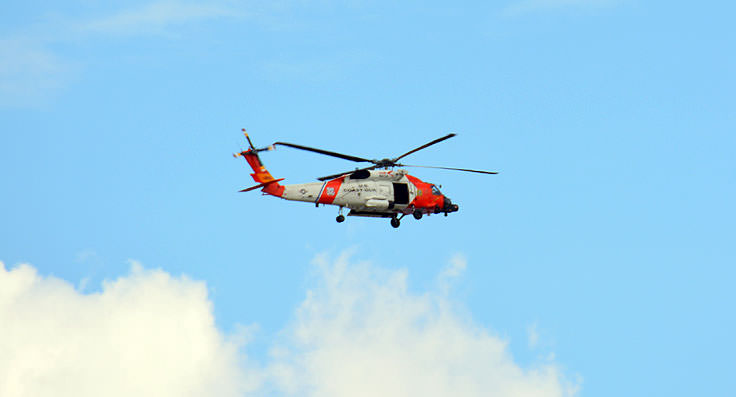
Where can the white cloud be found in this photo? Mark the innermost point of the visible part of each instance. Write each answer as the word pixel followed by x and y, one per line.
pixel 29 72
pixel 32 73
pixel 157 17
pixel 359 332
pixel 145 334
pixel 456 267
pixel 529 6
pixel 532 336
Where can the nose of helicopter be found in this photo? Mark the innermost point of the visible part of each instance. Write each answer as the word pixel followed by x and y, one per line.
pixel 449 206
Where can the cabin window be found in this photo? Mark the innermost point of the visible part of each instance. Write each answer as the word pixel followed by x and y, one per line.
pixel 436 191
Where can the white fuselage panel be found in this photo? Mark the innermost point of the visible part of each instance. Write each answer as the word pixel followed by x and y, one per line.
pixel 374 193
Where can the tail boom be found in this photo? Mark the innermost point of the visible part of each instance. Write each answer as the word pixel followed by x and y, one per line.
pixel 261 175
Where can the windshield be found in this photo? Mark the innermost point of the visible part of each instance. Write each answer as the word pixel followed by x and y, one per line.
pixel 435 191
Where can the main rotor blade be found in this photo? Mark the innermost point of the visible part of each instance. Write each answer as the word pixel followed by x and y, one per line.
pixel 325 152
pixel 452 169
pixel 438 140
pixel 326 178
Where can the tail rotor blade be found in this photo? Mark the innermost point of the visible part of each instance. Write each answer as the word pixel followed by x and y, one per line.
pixel 248 138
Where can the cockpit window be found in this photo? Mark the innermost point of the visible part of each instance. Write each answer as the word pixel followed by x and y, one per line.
pixel 435 191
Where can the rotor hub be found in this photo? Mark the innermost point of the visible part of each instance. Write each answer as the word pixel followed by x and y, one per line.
pixel 384 163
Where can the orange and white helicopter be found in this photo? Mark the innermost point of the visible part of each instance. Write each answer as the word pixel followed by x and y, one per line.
pixel 374 191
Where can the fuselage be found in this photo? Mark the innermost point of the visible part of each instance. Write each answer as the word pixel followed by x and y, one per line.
pixel 372 193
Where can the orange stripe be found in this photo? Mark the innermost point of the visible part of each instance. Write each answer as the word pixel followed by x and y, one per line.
pixel 330 191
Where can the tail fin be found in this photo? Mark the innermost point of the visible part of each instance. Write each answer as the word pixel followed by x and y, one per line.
pixel 260 173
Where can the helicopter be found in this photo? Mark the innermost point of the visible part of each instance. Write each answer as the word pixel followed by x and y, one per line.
pixel 376 191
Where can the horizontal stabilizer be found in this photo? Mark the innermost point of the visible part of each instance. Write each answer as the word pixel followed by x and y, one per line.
pixel 264 184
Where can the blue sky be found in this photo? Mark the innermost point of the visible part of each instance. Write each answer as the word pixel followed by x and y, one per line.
pixel 607 237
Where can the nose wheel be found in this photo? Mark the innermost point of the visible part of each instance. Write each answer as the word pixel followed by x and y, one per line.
pixel 340 218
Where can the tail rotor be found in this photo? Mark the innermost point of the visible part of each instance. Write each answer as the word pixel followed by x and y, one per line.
pixel 252 149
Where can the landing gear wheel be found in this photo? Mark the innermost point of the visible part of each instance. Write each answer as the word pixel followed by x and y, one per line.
pixel 395 222
pixel 417 214
pixel 340 219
